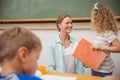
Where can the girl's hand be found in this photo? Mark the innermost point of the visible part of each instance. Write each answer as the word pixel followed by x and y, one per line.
pixel 99 47
pixel 94 46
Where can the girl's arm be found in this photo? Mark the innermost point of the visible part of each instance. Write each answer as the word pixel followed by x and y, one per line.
pixel 114 47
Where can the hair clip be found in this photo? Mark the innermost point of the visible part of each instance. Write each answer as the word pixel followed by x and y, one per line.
pixel 95 5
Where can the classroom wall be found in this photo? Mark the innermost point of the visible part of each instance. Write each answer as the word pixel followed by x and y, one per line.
pixel 80 30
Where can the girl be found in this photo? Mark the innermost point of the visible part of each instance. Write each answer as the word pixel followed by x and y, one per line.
pixel 104 24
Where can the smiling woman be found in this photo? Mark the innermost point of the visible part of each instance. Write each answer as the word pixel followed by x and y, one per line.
pixel 47 10
pixel 60 49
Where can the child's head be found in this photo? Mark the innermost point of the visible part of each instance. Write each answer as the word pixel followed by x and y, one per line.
pixel 103 19
pixel 21 48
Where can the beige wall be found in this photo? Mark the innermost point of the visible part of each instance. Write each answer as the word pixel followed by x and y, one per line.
pixel 47 31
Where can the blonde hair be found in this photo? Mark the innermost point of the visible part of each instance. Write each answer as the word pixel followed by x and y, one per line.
pixel 12 39
pixel 103 19
pixel 60 19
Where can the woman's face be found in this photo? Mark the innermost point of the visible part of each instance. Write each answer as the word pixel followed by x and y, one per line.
pixel 66 25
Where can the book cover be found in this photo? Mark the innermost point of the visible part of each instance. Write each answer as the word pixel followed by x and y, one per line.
pixel 84 52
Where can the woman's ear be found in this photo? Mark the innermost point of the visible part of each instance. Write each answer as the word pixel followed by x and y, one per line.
pixel 23 54
pixel 59 25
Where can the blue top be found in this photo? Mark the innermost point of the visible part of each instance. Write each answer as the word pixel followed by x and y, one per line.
pixel 18 76
pixel 56 51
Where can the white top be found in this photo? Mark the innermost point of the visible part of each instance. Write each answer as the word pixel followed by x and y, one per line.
pixel 107 66
pixel 69 61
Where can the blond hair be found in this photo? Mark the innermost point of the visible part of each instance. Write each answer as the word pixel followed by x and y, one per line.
pixel 12 39
pixel 103 19
pixel 60 19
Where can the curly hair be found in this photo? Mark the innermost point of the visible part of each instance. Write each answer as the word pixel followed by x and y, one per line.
pixel 103 19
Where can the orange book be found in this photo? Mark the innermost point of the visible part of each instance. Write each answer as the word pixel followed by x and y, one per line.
pixel 84 52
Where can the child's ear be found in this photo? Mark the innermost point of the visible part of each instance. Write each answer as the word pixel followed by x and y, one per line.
pixel 23 54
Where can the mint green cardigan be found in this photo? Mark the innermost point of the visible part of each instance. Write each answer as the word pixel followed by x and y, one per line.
pixel 55 56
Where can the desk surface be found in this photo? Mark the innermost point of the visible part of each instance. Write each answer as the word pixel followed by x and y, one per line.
pixel 79 77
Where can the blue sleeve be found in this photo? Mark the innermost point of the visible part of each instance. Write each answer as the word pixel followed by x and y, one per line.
pixel 31 78
pixel 27 77
pixel 19 76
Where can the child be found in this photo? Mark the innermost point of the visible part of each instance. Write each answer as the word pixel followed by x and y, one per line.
pixel 104 24
pixel 19 51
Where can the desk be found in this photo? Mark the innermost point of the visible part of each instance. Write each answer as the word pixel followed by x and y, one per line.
pixel 79 77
